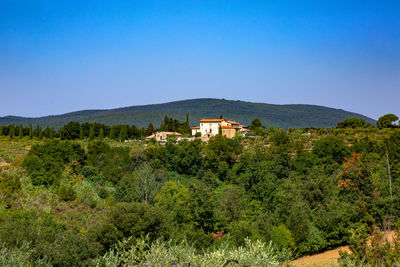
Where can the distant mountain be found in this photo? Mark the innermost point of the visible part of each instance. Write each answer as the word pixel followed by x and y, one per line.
pixel 284 116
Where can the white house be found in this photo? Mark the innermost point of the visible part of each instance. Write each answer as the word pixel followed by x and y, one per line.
pixel 210 127
pixel 162 136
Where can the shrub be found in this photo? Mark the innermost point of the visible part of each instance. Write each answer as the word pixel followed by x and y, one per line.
pixel 66 193
pixel 20 257
pixel 167 253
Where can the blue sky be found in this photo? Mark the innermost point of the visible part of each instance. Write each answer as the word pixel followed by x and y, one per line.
pixel 62 56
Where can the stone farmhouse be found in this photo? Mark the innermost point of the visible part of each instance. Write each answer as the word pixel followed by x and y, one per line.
pixel 210 127
pixel 162 136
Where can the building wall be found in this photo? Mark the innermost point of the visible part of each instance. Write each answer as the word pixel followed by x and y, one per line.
pixel 230 133
pixel 209 127
pixel 194 131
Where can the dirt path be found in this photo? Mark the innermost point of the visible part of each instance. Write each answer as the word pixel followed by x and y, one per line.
pixel 326 258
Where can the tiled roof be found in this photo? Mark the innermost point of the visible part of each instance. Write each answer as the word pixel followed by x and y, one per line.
pixel 211 120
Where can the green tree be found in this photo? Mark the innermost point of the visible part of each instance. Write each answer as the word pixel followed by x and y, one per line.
pixel 131 220
pixel 150 129
pixel 101 134
pixel 1 131
pixel 91 132
pixel 123 134
pixel 174 198
pixel 40 133
pixel 36 131
pixel 257 127
pixel 12 131
pixel 146 181
pixel 386 121
pixel 70 131
pixel 30 131
pixel 330 148
pixel 352 123
pixel 20 131
pixel 52 133
pixel 112 132
pixel 81 136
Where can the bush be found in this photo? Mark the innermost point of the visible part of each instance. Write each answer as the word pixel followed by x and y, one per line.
pixel 20 257
pixel 66 193
pixel 162 253
pixel 45 163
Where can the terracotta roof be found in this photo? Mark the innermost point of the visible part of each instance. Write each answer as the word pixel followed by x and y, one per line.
pixel 232 122
pixel 211 120
pixel 170 133
pixel 196 127
pixel 227 127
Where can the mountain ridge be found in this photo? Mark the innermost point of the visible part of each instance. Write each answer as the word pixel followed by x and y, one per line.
pixel 284 116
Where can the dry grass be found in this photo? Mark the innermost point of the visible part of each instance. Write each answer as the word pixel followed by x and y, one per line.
pixel 327 258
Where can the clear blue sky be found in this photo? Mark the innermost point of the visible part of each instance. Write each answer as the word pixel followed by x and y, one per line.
pixel 62 56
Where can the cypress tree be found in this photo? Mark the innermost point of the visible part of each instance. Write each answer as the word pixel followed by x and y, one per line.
pixel 91 132
pixel 20 132
pixel 40 133
pixel 101 134
pixel 112 132
pixel 12 131
pixel 150 129
pixel 30 131
pixel 123 133
pixel 189 130
pixel 51 134
pixel 81 132
pixel 1 131
pixel 37 131
pixel 47 132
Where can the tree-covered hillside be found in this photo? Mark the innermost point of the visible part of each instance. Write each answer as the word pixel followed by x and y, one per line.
pixel 88 196
pixel 283 116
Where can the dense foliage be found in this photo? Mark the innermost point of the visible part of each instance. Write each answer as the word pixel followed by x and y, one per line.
pixel 99 201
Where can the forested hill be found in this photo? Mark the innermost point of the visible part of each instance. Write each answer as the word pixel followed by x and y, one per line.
pixel 284 116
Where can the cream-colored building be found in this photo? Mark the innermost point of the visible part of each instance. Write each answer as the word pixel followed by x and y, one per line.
pixel 162 136
pixel 211 127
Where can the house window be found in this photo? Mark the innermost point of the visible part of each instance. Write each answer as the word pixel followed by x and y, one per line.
pixel 210 130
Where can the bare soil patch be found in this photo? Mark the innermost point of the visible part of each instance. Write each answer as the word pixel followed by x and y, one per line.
pixel 326 258
pixel 330 257
pixel 3 163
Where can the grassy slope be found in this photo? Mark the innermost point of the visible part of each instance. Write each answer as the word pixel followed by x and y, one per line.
pixel 284 116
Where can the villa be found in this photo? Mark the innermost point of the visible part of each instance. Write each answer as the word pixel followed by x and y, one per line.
pixel 210 127
pixel 162 136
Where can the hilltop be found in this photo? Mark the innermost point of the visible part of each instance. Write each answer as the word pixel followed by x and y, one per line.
pixel 284 116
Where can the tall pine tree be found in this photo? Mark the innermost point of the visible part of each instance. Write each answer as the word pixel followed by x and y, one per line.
pixel 91 132
pixel 81 132
pixel 123 134
pixel 101 134
pixel 112 132
pixel 40 133
pixel 30 131
pixel 20 132
pixel 51 133
pixel 12 131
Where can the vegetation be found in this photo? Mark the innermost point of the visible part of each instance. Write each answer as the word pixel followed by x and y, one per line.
pixel 77 197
